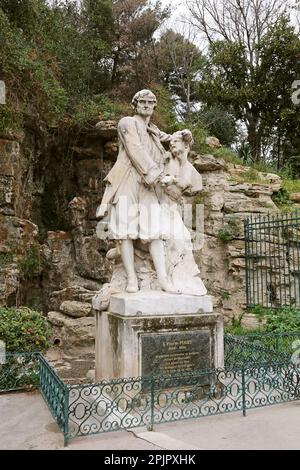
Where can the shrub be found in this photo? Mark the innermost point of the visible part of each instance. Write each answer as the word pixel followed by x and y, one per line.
pixel 225 235
pixel 24 330
pixel 29 265
pixel 287 319
pixel 282 198
pixel 229 231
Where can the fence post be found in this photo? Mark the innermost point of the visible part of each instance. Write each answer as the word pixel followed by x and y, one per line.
pixel 66 417
pixel 150 428
pixel 246 235
pixel 244 391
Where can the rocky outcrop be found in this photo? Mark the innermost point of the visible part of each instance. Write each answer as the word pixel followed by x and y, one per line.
pixel 75 337
pixel 295 197
pixel 72 263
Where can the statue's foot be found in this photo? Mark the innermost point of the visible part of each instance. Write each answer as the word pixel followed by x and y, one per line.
pixel 132 285
pixel 112 254
pixel 167 286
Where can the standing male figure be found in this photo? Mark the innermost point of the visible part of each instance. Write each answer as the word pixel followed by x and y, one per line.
pixel 132 196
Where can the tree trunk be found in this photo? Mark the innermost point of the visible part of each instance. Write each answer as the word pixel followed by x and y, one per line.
pixel 254 138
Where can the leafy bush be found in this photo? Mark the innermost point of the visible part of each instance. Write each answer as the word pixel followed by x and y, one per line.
pixel 275 321
pixel 229 231
pixel 225 235
pixel 227 154
pixel 24 330
pixel 287 319
pixel 282 198
pixel 98 107
pixel 219 123
pixel 29 265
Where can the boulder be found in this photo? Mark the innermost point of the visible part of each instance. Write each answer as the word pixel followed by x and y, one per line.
pixel 295 197
pixel 213 142
pixel 57 318
pixel 76 309
pixel 75 336
pixel 106 129
pixel 111 149
pixel 209 163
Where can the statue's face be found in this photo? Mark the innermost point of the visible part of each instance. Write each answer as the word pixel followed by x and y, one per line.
pixel 177 146
pixel 145 106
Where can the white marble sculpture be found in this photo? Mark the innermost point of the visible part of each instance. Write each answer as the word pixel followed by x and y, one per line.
pixel 140 204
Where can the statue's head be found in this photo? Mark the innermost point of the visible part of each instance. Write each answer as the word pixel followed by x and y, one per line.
pixel 144 102
pixel 181 142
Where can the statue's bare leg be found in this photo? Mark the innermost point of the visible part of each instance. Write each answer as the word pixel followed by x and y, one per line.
pixel 159 260
pixel 127 253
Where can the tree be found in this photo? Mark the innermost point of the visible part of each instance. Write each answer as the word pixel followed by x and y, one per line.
pixel 132 40
pixel 279 52
pixel 234 30
pixel 219 123
pixel 179 66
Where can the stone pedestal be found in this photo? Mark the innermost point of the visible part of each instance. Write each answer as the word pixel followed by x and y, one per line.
pixel 156 332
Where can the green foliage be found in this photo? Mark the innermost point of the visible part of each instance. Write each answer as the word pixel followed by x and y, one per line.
pixel 6 258
pixel 219 123
pixel 227 154
pixel 235 328
pixel 250 175
pixel 229 231
pixel 236 81
pixel 282 199
pixel 291 185
pixel 272 321
pixel 225 235
pixel 29 71
pixel 29 264
pixel 24 330
pixel 10 120
pixel 284 320
pixel 100 107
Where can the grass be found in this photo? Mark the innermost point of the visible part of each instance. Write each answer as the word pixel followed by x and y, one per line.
pixel 227 154
pixel 292 186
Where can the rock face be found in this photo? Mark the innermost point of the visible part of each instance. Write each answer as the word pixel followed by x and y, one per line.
pixel 213 142
pixel 76 309
pixel 295 197
pixel 74 336
pixel 71 263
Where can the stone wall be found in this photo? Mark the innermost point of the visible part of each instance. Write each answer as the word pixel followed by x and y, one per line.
pixel 70 264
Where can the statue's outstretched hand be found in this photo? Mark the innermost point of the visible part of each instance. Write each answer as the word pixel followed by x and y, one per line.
pixel 167 180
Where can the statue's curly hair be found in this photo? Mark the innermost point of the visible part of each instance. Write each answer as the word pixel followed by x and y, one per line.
pixel 186 136
pixel 143 94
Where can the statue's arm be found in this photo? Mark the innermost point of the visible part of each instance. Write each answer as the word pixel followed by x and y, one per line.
pixel 136 152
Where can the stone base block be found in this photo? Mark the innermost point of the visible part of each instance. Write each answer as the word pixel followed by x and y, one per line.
pixel 159 303
pixel 136 344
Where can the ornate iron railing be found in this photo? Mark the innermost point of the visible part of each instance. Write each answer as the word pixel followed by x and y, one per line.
pixel 55 393
pixel 259 370
pixel 125 404
pixel 19 371
pixel 272 251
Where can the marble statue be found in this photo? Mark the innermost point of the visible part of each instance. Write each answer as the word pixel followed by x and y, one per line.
pixel 141 203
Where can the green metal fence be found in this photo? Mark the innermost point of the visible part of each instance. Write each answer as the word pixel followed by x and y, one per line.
pixel 125 404
pixel 272 251
pixel 259 370
pixel 55 393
